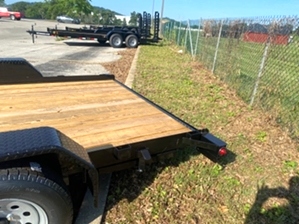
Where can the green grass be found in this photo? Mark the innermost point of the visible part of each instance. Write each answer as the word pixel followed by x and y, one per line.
pixel 190 188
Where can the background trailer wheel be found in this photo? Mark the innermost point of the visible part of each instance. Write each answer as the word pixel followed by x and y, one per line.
pixel 116 40
pixel 28 196
pixel 12 17
pixel 132 41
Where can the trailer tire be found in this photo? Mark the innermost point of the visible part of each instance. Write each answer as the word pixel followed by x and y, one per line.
pixel 116 40
pixel 132 41
pixel 12 17
pixel 28 196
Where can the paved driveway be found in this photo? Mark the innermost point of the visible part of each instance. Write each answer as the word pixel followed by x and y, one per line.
pixel 51 56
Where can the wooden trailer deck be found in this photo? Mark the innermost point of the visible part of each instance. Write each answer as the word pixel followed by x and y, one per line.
pixel 93 113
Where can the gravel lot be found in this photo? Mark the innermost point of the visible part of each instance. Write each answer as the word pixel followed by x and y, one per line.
pixel 50 56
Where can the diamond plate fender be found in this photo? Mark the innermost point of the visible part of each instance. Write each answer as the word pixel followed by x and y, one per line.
pixel 46 140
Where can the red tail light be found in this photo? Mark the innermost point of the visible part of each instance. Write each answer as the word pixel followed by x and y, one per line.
pixel 222 151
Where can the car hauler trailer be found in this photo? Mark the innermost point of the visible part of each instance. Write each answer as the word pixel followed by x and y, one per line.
pixel 132 36
pixel 58 133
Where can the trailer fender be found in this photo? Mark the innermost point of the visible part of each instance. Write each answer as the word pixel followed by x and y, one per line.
pixel 21 144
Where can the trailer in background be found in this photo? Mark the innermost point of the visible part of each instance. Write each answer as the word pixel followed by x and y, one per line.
pixel 132 36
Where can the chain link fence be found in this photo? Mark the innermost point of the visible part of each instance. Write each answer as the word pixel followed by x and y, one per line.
pixel 258 57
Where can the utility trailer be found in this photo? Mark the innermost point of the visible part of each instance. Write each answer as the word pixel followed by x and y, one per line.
pixel 57 134
pixel 132 36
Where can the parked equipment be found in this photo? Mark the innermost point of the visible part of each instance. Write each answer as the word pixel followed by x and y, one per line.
pixel 132 36
pixel 58 133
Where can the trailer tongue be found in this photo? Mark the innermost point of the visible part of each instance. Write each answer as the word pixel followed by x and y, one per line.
pixel 58 133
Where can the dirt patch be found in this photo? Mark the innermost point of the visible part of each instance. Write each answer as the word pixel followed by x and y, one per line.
pixel 121 67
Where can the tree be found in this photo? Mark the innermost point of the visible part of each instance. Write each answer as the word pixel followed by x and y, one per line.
pixel 20 6
pixel 102 16
pixel 134 19
pixel 124 23
pixel 37 10
pixel 107 17
pixel 2 3
pixel 117 22
pixel 69 7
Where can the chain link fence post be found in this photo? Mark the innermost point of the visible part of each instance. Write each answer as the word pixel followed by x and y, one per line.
pixel 179 34
pixel 173 31
pixel 186 36
pixel 261 69
pixel 217 46
pixel 197 38
pixel 169 30
pixel 190 38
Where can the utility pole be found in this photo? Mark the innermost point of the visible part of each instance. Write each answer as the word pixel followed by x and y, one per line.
pixel 153 9
pixel 161 17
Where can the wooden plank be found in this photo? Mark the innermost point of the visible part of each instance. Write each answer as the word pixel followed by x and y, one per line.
pixel 93 113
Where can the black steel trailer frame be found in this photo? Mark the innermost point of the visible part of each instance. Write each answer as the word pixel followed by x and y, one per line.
pixel 46 148
pixel 116 35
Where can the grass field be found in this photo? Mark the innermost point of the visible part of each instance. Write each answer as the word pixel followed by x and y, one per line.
pixel 258 182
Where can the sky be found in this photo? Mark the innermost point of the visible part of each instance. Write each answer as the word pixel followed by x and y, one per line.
pixel 196 9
